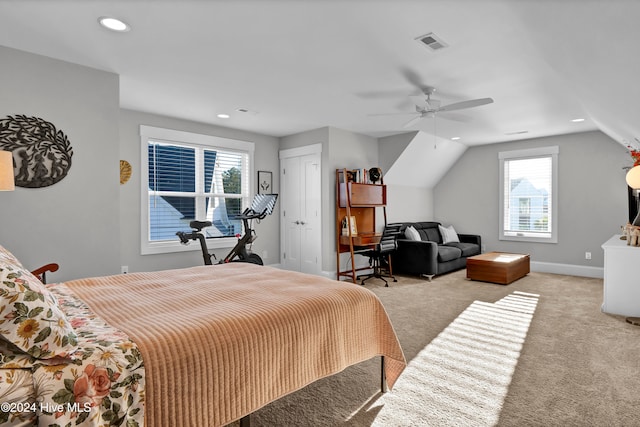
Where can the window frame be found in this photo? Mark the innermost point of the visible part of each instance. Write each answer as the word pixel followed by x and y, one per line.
pixel 505 156
pixel 188 139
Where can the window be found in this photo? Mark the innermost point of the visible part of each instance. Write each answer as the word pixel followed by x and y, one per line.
pixel 528 196
pixel 188 177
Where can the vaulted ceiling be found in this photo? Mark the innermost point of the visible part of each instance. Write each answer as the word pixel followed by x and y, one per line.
pixel 301 65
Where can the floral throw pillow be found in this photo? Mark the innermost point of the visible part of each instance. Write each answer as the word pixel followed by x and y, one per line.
pixel 30 317
pixel 7 257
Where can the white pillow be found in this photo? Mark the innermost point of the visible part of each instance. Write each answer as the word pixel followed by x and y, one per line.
pixel 449 235
pixel 411 233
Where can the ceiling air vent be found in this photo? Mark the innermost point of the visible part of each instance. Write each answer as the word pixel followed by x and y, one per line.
pixel 246 110
pixel 432 41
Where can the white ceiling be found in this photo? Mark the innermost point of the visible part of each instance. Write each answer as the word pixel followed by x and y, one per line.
pixel 301 65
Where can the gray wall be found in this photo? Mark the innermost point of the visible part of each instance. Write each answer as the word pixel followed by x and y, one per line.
pixel 592 197
pixel 405 202
pixel 265 158
pixel 352 151
pixel 74 222
pixel 89 223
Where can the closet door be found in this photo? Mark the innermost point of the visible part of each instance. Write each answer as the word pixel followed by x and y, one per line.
pixel 301 243
pixel 290 210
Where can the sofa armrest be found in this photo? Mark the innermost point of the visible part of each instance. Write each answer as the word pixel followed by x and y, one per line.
pixel 471 238
pixel 416 257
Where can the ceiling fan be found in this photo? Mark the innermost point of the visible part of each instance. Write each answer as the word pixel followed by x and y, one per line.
pixel 427 107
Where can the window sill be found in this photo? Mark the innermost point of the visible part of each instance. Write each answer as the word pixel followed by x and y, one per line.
pixel 174 247
pixel 529 239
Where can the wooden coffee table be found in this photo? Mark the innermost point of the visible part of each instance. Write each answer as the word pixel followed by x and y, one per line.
pixel 497 267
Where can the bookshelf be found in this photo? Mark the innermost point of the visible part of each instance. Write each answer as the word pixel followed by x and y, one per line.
pixel 356 205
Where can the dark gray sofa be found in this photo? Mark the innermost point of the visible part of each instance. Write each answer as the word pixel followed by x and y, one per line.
pixel 429 257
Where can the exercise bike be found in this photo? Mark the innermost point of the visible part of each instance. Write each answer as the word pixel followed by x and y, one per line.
pixel 261 206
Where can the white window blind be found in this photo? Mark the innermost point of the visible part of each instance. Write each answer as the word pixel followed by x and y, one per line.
pixel 193 183
pixel 187 180
pixel 528 195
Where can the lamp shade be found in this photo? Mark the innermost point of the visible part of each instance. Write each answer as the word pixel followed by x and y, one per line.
pixel 633 177
pixel 7 182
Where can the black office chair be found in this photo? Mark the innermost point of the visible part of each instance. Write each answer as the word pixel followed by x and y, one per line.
pixel 380 257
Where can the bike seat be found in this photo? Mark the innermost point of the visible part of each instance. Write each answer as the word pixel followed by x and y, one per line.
pixel 199 225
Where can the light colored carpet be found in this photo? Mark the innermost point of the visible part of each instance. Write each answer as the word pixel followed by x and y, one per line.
pixel 462 377
pixel 537 352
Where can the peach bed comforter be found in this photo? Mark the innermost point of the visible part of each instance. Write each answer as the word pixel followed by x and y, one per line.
pixel 219 342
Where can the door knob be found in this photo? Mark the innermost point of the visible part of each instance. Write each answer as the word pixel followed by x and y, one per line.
pixel 302 223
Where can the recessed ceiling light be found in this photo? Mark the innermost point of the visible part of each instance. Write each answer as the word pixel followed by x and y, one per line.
pixel 223 116
pixel 577 120
pixel 455 138
pixel 113 24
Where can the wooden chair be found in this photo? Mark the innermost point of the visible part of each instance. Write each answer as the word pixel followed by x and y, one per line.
pixel 41 273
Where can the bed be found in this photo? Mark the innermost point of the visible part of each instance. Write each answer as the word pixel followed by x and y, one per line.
pixel 198 346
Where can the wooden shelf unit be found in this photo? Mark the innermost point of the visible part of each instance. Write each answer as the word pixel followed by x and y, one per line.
pixel 359 201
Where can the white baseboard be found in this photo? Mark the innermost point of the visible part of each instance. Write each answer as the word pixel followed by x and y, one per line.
pixel 568 269
pixel 542 267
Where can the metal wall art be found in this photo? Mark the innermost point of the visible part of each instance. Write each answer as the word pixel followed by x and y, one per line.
pixel 41 153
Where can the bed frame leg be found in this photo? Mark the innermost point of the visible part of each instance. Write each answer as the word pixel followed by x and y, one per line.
pixel 245 421
pixel 383 376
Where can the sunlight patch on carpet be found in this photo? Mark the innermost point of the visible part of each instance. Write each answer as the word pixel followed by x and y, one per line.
pixel 462 377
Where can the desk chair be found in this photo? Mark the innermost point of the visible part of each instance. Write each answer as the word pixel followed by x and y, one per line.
pixel 382 252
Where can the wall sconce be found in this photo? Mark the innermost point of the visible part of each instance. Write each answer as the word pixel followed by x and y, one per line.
pixel 7 182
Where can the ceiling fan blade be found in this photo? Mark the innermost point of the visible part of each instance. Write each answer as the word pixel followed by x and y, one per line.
pixel 382 94
pixel 466 104
pixel 415 80
pixel 390 114
pixel 413 121
pixel 454 117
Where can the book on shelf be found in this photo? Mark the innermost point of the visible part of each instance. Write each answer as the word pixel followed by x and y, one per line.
pixel 345 226
pixel 359 176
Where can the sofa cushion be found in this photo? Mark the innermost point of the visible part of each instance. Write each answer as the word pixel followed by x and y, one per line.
pixel 448 234
pixel 430 234
pixel 411 233
pixel 468 249
pixel 448 253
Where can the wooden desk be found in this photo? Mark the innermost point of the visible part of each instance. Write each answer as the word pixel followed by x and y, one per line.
pixel 359 202
pixel 361 243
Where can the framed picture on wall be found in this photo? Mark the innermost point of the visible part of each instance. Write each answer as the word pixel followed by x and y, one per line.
pixel 265 182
